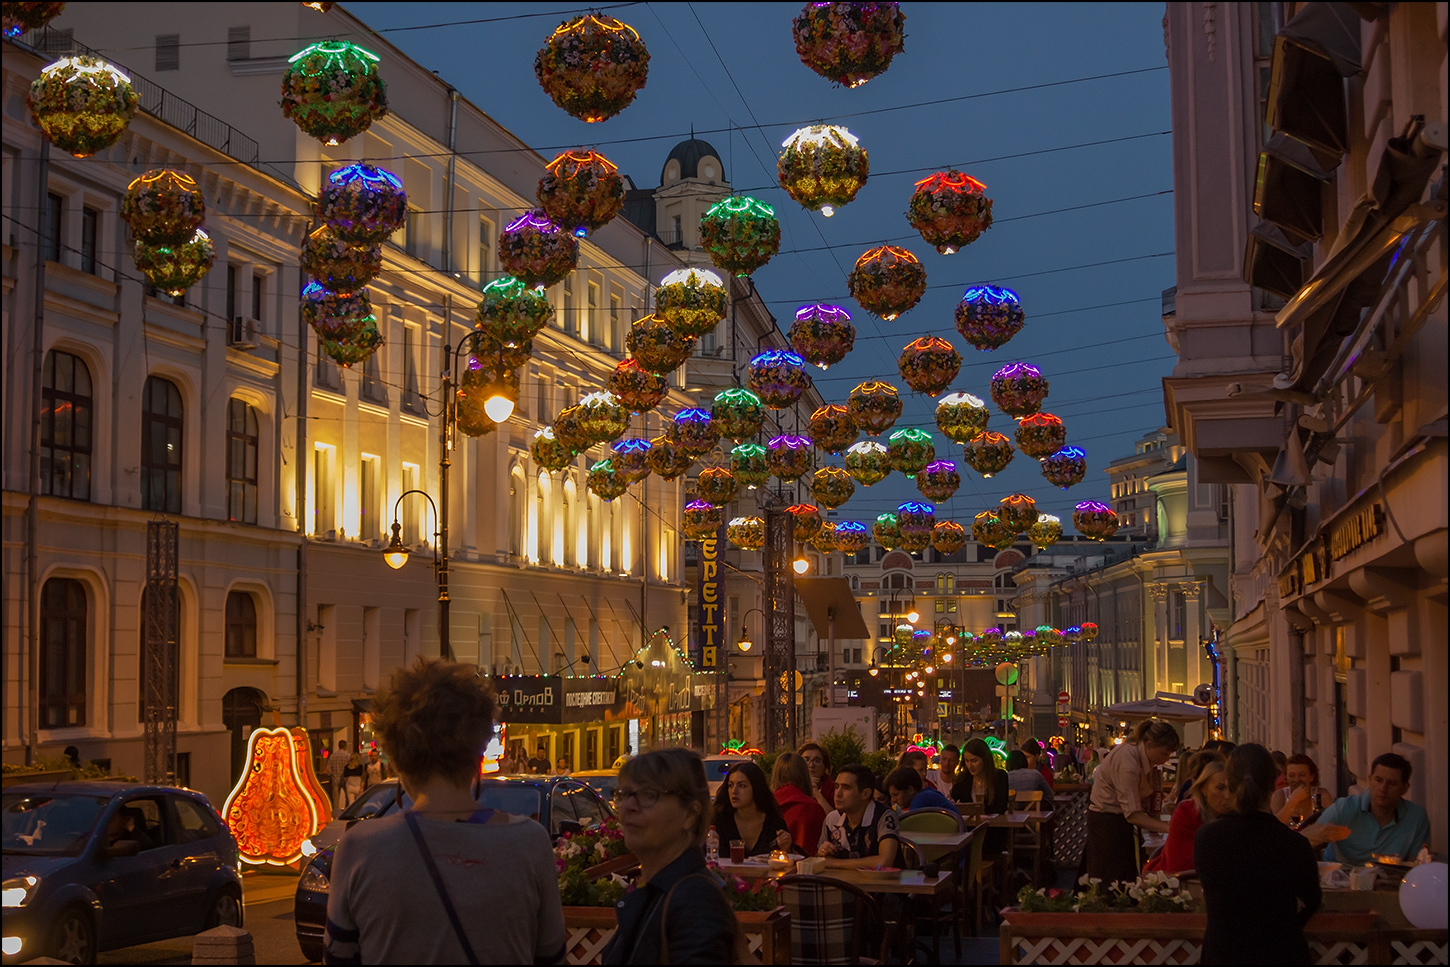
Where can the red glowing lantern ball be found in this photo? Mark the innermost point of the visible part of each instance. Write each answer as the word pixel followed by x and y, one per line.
pixel 807 521
pixel 887 281
pixel 581 191
pixel 989 453
pixel 1040 435
pixel 950 210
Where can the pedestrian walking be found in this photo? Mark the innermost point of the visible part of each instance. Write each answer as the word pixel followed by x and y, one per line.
pixel 444 882
pixel 336 763
pixel 353 775
pixel 677 913
pixel 375 772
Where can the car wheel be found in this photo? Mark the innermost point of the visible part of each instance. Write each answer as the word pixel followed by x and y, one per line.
pixel 226 911
pixel 74 937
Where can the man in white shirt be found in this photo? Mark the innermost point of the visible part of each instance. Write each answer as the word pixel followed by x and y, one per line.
pixel 336 762
pixel 859 831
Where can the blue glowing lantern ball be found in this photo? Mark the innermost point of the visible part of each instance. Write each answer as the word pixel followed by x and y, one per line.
pixel 363 204
pixel 779 378
pixel 988 316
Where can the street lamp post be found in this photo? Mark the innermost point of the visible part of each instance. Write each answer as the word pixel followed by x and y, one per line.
pixel 396 555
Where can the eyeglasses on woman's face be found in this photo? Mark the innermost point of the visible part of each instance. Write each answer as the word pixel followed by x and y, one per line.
pixel 643 798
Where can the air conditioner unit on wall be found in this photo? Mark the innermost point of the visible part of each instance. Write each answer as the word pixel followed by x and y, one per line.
pixel 243 332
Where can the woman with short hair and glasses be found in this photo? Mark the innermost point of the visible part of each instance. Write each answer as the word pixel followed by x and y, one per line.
pixel 677 913
pixel 818 763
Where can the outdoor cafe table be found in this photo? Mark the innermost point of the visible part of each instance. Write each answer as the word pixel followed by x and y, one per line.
pixel 1023 820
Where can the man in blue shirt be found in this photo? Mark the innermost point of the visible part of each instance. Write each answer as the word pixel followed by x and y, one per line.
pixel 904 785
pixel 1381 822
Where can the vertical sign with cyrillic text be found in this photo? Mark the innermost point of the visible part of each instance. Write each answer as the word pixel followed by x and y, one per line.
pixel 710 608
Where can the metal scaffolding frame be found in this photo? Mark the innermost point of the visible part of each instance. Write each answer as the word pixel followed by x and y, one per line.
pixel 780 723
pixel 159 627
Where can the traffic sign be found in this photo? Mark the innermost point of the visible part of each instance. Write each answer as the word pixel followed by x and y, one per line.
pixel 1063 721
pixel 1063 698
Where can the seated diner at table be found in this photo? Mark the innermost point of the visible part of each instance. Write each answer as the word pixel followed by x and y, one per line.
pixel 905 787
pixel 1023 778
pixel 1207 800
pixel 917 759
pixel 791 781
pixel 1301 795
pixel 859 832
pixel 981 781
pixel 1378 822
pixel 745 809
pixel 1038 758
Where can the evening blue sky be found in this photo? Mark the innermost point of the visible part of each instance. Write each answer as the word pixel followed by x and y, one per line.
pixel 1104 364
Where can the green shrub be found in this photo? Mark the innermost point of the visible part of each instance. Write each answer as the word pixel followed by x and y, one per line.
pixel 881 763
pixel 766 760
pixel 843 748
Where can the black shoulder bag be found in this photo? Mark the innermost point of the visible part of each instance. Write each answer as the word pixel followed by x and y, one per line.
pixel 442 890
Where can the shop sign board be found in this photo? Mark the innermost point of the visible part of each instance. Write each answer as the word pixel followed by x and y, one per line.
pixel 709 608
pixel 554 699
pixel 1338 540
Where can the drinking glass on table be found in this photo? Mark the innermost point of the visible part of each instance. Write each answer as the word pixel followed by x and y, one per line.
pixel 737 851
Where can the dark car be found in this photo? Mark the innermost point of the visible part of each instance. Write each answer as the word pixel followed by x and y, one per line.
pixel 91 866
pixel 561 804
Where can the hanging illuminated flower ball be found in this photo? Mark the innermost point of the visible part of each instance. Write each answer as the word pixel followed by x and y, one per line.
pixel 939 480
pixel 887 281
pixel 822 334
pixel 336 315
pixel 849 43
pixel 512 311
pixel 909 451
pixel 746 533
pixel 825 539
pixel 631 458
pixel 592 66
pixel 163 207
pixel 961 417
pixel 537 251
pixel 569 428
pixel 851 536
pixel 337 264
pixel 822 167
pixel 1088 630
pixel 929 364
pixel 656 346
pixel 741 234
pixel 1066 467
pixel 874 406
pixel 605 482
pixel 948 536
pixel 988 453
pixel 806 521
pixel 694 432
pixel 789 456
pixel 636 387
pixel 867 463
pixel 749 464
pixel 779 378
pixel 832 428
pixel 499 354
pixel 1095 520
pixel 476 385
pixel 916 520
pixel 950 210
pixel 700 521
pixel 832 487
pixel 692 301
pixel 887 531
pixel 332 91
pixel 82 104
pixel 363 204
pixel 175 268
pixel 988 316
pixel 992 531
pixel 20 17
pixel 1048 636
pixel 1018 389
pixel 716 486
pixel 549 452
pixel 666 459
pixel 737 413
pixel 1018 511
pixel 1046 532
pixel 357 349
pixel 602 417
pixel 1040 435
pixel 581 192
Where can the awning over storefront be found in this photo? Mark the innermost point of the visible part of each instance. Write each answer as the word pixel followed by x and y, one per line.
pixel 1156 708
pixel 1275 264
pixel 1289 189
pixel 828 600
pixel 1313 53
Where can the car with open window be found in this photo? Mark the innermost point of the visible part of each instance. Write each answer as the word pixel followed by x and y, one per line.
pixel 92 866
pixel 561 804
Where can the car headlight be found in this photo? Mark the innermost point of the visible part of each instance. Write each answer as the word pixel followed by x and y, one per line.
pixel 313 880
pixel 19 891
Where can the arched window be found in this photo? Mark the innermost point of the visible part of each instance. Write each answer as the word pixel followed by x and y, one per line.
pixel 65 427
pixel 149 666
pixel 63 650
pixel 241 625
pixel 241 714
pixel 241 462
pixel 161 429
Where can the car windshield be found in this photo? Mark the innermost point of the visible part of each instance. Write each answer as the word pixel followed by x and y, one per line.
pixel 715 769
pixel 520 800
pixel 50 824
pixel 374 802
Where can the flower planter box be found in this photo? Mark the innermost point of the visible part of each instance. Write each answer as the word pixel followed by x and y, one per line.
pixel 619 864
pixel 23 778
pixel 589 929
pixel 1177 938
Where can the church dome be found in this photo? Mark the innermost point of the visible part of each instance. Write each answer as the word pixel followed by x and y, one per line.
pixel 690 154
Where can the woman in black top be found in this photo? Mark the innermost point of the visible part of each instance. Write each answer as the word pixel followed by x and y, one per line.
pixel 745 809
pixel 983 782
pixel 1260 878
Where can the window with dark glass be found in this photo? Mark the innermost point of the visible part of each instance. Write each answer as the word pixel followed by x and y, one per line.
pixel 54 213
pixel 62 654
pixel 65 427
pixel 90 220
pixel 241 625
pixel 161 428
pixel 257 297
pixel 231 292
pixel 146 663
pixel 241 462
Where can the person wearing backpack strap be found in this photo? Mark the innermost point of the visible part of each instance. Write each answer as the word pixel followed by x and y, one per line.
pixel 677 914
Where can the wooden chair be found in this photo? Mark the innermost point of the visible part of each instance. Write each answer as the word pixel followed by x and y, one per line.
pixel 971 811
pixel 832 922
pixel 1028 842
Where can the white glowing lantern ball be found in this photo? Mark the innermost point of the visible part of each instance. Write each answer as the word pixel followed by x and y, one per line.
pixel 866 447
pixel 822 134
pixel 701 277
pixel 959 399
pixel 82 68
